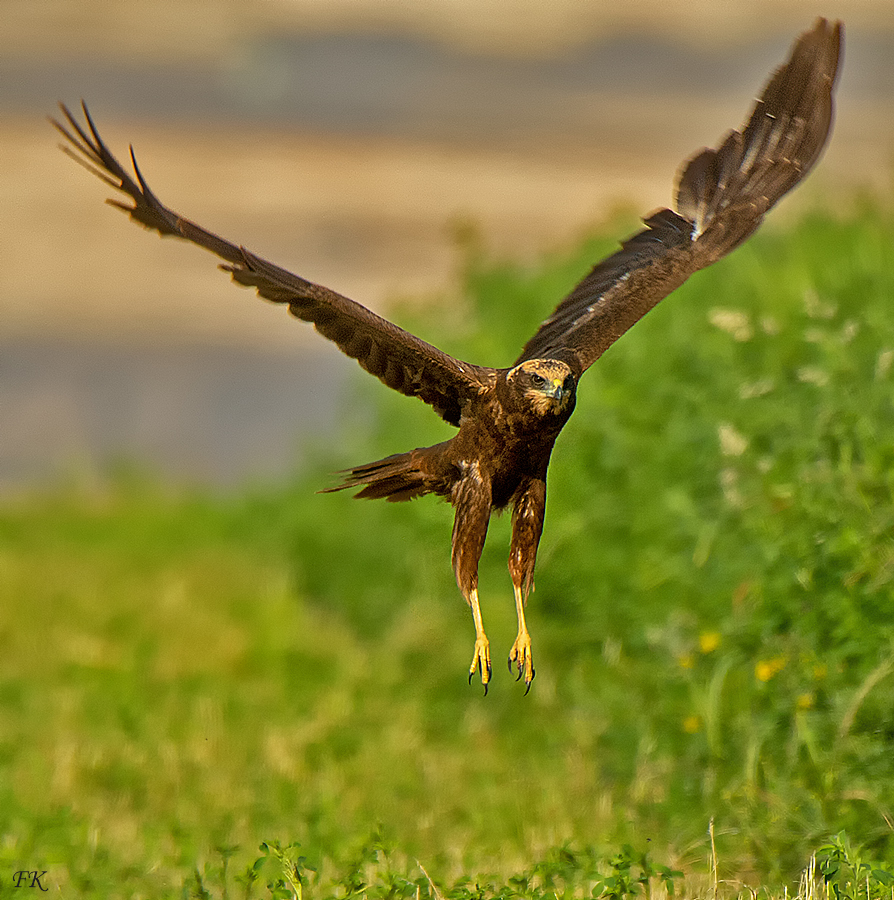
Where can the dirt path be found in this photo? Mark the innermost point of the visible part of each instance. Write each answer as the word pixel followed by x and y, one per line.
pixel 372 218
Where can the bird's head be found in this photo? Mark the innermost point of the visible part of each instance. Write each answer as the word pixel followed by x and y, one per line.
pixel 548 385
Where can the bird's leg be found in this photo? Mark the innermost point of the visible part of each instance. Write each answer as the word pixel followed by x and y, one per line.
pixel 471 497
pixel 520 655
pixel 481 656
pixel 527 526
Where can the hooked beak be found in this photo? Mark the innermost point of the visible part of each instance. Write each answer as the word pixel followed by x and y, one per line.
pixel 557 390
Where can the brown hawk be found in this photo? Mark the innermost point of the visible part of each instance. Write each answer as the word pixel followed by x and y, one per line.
pixel 508 419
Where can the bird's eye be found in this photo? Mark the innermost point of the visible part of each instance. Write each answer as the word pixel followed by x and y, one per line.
pixel 538 380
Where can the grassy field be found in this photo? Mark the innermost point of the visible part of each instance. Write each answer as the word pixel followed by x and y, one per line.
pixel 186 676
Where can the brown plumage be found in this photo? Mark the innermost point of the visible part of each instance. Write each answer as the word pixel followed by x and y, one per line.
pixel 509 418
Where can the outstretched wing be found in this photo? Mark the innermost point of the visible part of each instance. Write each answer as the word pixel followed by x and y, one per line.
pixel 722 196
pixel 396 357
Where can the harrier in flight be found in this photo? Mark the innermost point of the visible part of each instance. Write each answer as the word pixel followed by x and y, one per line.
pixel 509 418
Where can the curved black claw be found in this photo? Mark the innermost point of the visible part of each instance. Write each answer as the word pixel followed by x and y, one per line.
pixel 520 655
pixel 481 675
pixel 481 661
pixel 528 685
pixel 485 683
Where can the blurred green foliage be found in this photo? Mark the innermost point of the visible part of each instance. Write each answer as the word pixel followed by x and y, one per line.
pixel 185 675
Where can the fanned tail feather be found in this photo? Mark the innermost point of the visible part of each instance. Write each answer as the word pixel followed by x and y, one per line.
pixel 394 478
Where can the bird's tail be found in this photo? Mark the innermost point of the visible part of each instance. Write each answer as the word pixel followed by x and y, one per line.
pixel 726 191
pixel 403 476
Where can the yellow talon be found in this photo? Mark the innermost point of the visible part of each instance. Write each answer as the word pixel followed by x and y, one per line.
pixel 481 656
pixel 481 661
pixel 521 654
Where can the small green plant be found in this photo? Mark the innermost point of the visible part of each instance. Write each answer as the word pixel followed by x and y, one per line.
pixel 848 875
pixel 291 870
pixel 634 873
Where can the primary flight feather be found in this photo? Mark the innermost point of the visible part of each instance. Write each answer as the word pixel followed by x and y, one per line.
pixel 509 419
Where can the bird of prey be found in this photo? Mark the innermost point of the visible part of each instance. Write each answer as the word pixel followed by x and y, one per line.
pixel 509 418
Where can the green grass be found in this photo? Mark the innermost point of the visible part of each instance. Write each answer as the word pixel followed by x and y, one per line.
pixel 184 676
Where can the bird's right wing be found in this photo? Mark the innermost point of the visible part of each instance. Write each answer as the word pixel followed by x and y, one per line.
pixel 722 197
pixel 401 360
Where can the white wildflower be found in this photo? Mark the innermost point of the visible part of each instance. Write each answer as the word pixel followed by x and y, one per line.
pixel 732 443
pixel 815 307
pixel 756 388
pixel 770 325
pixel 813 375
pixel 732 321
pixel 729 484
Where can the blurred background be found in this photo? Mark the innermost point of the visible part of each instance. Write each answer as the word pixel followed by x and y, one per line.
pixel 346 140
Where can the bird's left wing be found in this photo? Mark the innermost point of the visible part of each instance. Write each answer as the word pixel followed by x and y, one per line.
pixel 722 196
pixel 401 360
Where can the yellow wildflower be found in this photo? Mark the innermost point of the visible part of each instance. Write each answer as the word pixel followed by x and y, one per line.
pixel 805 701
pixel 708 641
pixel 767 668
pixel 692 724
